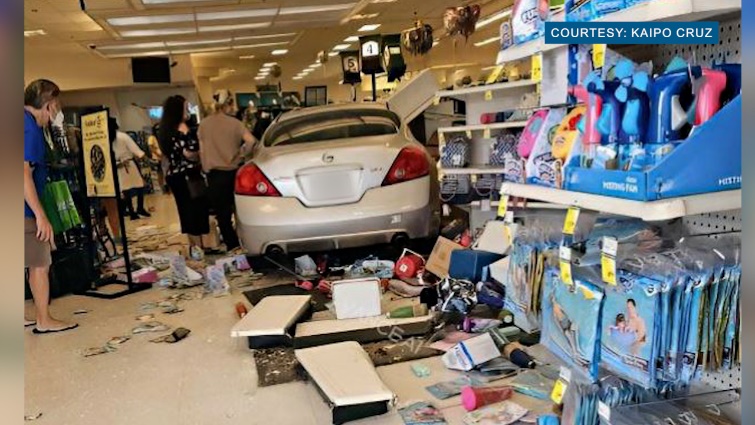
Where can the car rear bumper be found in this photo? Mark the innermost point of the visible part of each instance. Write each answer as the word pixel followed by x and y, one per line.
pixel 380 214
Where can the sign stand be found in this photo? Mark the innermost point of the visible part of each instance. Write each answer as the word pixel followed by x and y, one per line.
pixel 101 181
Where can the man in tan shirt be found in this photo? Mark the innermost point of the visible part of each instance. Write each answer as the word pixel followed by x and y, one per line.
pixel 224 143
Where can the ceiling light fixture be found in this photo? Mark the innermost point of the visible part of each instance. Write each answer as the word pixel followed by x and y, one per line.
pixel 264 36
pixel 33 33
pixel 315 66
pixel 150 20
pixel 315 9
pixel 157 32
pixel 339 47
pixel 252 46
pixel 492 18
pixel 486 41
pixel 196 42
pixel 169 1
pixel 140 54
pixel 236 14
pixel 351 39
pixel 297 78
pixel 279 52
pixel 200 50
pixel 359 17
pixel 383 1
pixel 133 46
pixel 235 27
pixel 246 57
pixel 333 54
pixel 259 78
pixel 369 27
pixel 436 42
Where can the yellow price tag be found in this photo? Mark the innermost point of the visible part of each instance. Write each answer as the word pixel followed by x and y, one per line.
pixel 441 138
pixel 564 254
pixel 486 133
pixel 503 206
pixel 469 134
pixel 436 101
pixel 493 77
pixel 557 395
pixel 537 68
pixel 488 95
pixel 598 55
pixel 473 178
pixel 608 260
pixel 570 223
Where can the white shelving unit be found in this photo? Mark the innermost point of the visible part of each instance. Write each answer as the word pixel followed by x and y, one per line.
pixel 483 127
pixel 665 209
pixel 477 91
pixel 475 169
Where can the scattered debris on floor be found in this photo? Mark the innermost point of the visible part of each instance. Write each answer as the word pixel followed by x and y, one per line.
pixel 153 326
pixel 96 351
pixel 173 337
pixel 117 340
pixel 34 417
pixel 81 311
pixel 421 413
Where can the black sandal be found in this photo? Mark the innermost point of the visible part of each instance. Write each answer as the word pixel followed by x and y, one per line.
pixel 51 331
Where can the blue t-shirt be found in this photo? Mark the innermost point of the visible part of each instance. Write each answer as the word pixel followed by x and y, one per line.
pixel 34 154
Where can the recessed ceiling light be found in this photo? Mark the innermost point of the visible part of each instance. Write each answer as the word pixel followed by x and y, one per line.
pixel 297 78
pixel 361 16
pixel 339 47
pixel 133 55
pixel 333 54
pixel 269 63
pixel 492 18
pixel 264 36
pixel 279 52
pixel 436 42
pixel 486 41
pixel 200 50
pixel 252 46
pixel 315 9
pixel 196 42
pixel 236 14
pixel 369 27
pixel 255 25
pixel 150 20
pixel 315 66
pixel 351 39
pixel 264 70
pixel 246 57
pixel 383 1
pixel 259 78
pixel 32 33
pixel 150 45
pixel 156 32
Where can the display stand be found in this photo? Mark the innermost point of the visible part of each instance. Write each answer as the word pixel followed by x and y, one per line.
pixel 101 180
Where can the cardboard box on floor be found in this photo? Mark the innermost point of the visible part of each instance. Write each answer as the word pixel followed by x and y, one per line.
pixel 440 257
pixel 212 239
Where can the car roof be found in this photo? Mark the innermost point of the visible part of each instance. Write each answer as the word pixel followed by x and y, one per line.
pixel 313 110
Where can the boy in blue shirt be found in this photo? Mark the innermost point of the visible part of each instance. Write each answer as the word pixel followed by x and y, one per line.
pixel 40 107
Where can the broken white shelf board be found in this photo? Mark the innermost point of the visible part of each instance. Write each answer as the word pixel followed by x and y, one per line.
pixel 664 209
pixel 273 315
pixel 323 327
pixel 344 373
pixel 485 88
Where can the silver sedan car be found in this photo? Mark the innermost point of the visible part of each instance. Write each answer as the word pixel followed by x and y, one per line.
pixel 336 176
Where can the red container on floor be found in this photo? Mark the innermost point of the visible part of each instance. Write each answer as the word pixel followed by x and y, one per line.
pixel 475 397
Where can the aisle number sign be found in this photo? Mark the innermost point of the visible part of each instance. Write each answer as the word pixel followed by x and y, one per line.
pixel 537 68
pixel 98 159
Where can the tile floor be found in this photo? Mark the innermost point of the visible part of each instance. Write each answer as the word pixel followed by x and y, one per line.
pixel 206 379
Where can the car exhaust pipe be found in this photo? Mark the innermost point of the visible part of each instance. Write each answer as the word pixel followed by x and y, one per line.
pixel 400 240
pixel 274 250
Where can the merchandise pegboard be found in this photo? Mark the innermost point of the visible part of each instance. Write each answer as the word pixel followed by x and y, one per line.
pixel 728 49
pixel 718 225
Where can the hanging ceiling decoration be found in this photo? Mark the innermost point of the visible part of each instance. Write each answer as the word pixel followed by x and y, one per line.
pixel 322 56
pixel 461 20
pixel 275 71
pixel 419 39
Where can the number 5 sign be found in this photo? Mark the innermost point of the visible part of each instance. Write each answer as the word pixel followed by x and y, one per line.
pixel 350 63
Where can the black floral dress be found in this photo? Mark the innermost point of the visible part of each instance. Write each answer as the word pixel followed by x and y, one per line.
pixel 193 212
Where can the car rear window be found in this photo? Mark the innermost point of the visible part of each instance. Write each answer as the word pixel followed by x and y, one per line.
pixel 333 125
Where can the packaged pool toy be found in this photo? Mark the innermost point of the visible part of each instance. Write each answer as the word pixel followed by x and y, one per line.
pixel 526 23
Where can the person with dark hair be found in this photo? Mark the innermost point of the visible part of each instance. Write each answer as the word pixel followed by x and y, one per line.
pixel 636 324
pixel 41 106
pixel 130 178
pixel 184 172
pixel 224 143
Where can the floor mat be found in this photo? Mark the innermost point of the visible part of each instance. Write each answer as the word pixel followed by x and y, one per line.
pixel 318 298
pixel 279 365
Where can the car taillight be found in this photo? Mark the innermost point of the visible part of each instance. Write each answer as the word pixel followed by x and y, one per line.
pixel 251 181
pixel 410 164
